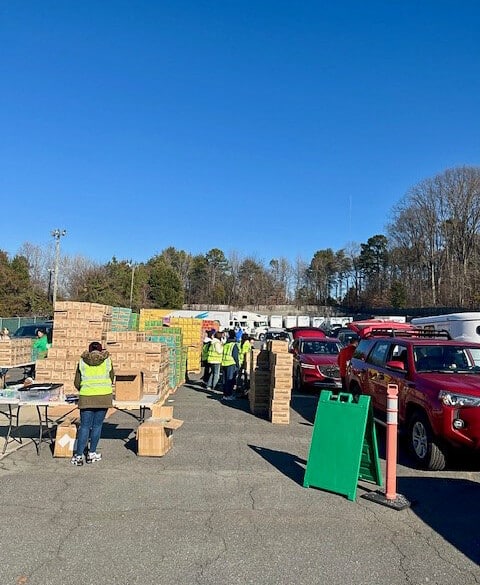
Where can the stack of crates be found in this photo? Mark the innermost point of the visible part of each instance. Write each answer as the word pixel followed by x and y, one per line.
pixel 147 315
pixel 192 339
pixel 120 319
pixel 171 337
pixel 133 322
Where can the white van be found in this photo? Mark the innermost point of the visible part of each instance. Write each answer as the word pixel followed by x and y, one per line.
pixel 461 326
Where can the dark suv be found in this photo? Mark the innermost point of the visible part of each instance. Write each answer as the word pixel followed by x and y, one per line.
pixel 30 331
pixel 438 390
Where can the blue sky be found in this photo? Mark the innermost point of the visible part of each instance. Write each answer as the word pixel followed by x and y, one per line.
pixel 269 128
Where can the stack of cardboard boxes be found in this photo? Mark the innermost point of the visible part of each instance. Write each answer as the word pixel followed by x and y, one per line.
pixel 271 382
pixel 15 351
pixel 259 394
pixel 131 354
pixel 281 365
pixel 75 325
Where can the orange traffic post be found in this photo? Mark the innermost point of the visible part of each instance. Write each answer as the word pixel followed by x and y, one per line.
pixel 392 430
pixel 390 498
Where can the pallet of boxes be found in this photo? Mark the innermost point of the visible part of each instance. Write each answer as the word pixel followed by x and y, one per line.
pixel 141 367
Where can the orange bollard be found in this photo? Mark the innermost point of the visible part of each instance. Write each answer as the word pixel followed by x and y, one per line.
pixel 392 430
pixel 390 498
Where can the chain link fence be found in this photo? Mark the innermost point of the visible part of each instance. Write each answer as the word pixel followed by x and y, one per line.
pixel 13 323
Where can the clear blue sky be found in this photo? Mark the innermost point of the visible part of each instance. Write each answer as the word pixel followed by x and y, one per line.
pixel 272 128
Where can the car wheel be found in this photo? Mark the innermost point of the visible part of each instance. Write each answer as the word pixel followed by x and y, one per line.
pixel 423 445
pixel 261 337
pixel 297 381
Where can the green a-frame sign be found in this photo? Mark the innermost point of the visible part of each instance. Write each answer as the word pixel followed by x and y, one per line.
pixel 344 445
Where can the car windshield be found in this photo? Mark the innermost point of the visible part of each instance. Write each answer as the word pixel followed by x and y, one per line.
pixel 319 347
pixel 446 358
pixel 278 335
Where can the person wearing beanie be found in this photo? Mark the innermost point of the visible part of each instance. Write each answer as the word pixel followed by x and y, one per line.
pixel 93 379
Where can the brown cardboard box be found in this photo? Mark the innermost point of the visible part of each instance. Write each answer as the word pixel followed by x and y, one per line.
pixel 155 438
pixel 128 385
pixel 65 440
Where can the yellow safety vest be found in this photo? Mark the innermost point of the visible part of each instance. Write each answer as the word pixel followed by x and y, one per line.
pixel 227 357
pixel 214 357
pixel 95 380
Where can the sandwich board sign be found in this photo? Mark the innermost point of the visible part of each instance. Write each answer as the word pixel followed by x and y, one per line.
pixel 344 445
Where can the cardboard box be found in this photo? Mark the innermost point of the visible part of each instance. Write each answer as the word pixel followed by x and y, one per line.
pixel 155 436
pixel 128 385
pixel 65 440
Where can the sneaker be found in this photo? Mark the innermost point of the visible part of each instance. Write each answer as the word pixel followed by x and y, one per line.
pixel 93 457
pixel 77 460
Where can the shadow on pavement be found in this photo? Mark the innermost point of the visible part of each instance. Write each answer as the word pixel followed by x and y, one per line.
pixel 288 464
pixel 448 506
pixel 305 405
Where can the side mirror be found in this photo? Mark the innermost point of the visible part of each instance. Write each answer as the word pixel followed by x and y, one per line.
pixel 396 365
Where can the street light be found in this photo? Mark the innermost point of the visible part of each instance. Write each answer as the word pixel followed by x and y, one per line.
pixel 132 265
pixel 57 234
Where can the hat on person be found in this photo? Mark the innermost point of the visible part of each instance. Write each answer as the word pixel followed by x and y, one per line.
pixel 95 346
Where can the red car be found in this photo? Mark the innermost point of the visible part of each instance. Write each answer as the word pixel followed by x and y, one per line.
pixel 315 363
pixel 438 389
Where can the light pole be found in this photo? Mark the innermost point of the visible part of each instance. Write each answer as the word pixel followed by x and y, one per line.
pixel 49 293
pixel 132 265
pixel 57 234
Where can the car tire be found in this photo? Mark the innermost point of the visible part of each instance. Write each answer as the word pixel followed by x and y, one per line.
pixel 423 445
pixel 261 337
pixel 297 381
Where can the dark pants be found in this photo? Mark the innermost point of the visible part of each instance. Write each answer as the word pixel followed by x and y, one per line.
pixel 206 372
pixel 229 377
pixel 91 421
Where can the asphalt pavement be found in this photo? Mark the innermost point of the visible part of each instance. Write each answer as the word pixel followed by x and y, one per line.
pixel 226 506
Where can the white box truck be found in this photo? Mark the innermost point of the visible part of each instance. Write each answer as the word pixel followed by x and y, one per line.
pixel 461 326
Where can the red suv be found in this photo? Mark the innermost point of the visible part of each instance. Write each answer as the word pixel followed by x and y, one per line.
pixel 438 389
pixel 315 363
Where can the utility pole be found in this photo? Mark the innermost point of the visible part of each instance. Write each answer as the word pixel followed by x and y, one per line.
pixel 57 234
pixel 132 265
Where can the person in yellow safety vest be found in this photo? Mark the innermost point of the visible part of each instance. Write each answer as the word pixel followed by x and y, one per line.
pixel 214 360
pixel 244 353
pixel 204 356
pixel 230 366
pixel 93 379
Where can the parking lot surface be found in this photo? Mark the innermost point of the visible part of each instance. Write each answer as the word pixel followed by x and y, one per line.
pixel 226 506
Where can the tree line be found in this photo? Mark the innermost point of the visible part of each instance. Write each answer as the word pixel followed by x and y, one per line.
pixel 428 257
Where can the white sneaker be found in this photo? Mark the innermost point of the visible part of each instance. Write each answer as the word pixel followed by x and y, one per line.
pixel 93 457
pixel 77 460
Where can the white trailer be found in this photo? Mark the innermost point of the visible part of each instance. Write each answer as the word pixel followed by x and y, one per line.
pixel 317 321
pixel 290 321
pixel 461 326
pixel 276 321
pixel 303 321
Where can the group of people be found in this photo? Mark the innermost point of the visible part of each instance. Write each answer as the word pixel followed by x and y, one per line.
pixel 225 353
